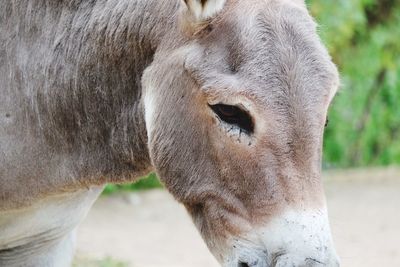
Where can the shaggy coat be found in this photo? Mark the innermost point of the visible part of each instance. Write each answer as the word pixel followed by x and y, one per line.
pixel 225 100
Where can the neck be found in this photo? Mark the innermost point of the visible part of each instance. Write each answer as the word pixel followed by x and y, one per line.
pixel 95 77
pixel 74 93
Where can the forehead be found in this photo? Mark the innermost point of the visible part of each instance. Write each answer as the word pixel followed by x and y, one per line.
pixel 269 50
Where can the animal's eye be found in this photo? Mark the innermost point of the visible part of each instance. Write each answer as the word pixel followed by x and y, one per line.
pixel 235 116
pixel 327 122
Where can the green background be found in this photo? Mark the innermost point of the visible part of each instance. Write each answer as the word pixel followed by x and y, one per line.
pixel 363 37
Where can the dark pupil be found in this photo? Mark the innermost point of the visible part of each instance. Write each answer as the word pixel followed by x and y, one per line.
pixel 235 116
pixel 228 110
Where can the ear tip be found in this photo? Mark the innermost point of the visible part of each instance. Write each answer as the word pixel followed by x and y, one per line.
pixel 204 9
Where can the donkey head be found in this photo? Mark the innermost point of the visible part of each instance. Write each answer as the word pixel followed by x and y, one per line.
pixel 235 106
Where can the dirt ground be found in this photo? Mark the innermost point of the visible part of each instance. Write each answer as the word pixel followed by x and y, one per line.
pixel 150 229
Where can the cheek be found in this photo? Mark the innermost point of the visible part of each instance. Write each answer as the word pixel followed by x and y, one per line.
pixel 181 153
pixel 264 183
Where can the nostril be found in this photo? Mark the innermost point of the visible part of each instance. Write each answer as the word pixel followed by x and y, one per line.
pixel 243 264
pixel 248 263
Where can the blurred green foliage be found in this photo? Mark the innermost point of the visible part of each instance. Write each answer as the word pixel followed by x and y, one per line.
pixel 363 37
pixel 148 182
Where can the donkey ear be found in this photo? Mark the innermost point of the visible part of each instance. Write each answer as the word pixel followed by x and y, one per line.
pixel 204 9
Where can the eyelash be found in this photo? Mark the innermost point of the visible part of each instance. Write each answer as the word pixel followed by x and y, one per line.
pixel 234 115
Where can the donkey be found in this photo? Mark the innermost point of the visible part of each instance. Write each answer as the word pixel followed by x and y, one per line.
pixel 225 100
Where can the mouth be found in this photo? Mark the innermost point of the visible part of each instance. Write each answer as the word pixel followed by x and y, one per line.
pixel 255 257
pixel 283 260
pixel 294 239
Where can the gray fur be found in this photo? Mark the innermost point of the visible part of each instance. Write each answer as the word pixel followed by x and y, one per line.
pixel 97 91
pixel 70 80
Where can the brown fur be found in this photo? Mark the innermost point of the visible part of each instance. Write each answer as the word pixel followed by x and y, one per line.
pixel 286 76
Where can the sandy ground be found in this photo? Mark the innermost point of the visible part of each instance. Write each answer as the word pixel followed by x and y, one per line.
pixel 150 229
